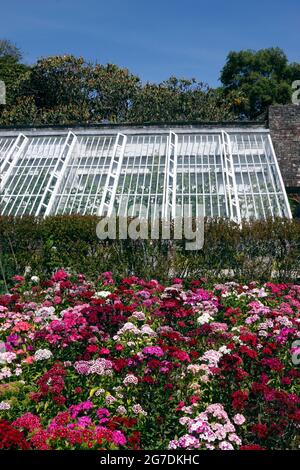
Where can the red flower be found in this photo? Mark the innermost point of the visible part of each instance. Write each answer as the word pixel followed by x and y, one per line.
pixel 181 356
pixel 252 447
pixel 249 352
pixel 286 380
pixel 267 351
pixel 273 363
pixel 11 438
pixel 148 379
pixel 230 361
pixel 261 430
pixel 239 399
pixel 241 374
pixel 180 405
pixel 92 348
pixel 119 364
pixel 248 338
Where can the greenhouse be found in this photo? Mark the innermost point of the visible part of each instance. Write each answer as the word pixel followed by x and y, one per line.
pixel 217 172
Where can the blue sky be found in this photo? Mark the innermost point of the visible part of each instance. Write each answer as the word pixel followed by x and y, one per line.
pixel 154 39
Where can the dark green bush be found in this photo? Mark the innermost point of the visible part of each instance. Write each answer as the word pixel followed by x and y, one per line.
pixel 260 250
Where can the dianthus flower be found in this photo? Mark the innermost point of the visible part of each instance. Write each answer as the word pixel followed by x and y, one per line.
pixel 153 350
pixel 130 379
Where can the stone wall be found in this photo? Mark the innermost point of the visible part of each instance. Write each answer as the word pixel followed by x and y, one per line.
pixel 284 124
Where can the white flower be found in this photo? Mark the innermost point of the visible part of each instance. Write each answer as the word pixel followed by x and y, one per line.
pixel 7 357
pixel 35 279
pixel 224 350
pixel 193 368
pixel 110 399
pixel 42 354
pixel 147 330
pixel 137 409
pixel 45 312
pixel 128 327
pixel 205 318
pixel 130 379
pixel 4 405
pixel 139 316
pixel 102 294
pixel 121 410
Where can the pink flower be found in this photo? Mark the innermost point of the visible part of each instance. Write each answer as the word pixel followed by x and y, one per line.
pixel 18 278
pixel 239 419
pixel 154 351
pixel 29 360
pixel 104 351
pixel 60 275
pixel 118 438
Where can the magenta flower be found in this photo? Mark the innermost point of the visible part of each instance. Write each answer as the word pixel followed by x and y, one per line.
pixel 153 351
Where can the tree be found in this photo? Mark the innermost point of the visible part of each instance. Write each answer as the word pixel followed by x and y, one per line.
pixel 58 81
pixel 113 91
pixel 12 72
pixel 180 100
pixel 66 88
pixel 262 78
pixel 7 48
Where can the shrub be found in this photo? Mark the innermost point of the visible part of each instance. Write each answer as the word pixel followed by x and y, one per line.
pixel 259 250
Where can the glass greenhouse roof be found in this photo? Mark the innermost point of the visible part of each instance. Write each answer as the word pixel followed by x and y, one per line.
pixel 135 171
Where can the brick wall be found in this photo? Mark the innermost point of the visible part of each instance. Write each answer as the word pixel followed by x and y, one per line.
pixel 284 124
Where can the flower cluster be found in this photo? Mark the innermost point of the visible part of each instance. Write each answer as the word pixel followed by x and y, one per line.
pixel 134 364
pixel 211 429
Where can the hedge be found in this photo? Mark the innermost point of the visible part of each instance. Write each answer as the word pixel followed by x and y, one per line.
pixel 259 250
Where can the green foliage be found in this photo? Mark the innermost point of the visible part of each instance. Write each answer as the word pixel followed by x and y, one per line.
pixel 261 77
pixel 180 100
pixel 112 91
pixel 58 81
pixel 260 250
pixel 12 73
pixel 68 90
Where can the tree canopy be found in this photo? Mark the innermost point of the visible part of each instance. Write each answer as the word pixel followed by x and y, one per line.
pixel 262 77
pixel 67 90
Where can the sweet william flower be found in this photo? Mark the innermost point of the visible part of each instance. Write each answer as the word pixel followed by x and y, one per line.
pixel 18 278
pixel 239 419
pixel 28 360
pixel 60 275
pixel 118 438
pixel 4 405
pixel 42 354
pixel 92 348
pixel 130 379
pixel 104 351
pixel 181 356
pixel 153 351
pixel 252 447
pixel 57 300
pixel 224 445
pixel 27 421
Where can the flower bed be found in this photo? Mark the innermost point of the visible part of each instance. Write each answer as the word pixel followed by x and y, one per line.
pixel 137 365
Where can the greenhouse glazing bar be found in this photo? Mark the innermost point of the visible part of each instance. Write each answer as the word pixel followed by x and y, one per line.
pixel 217 173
